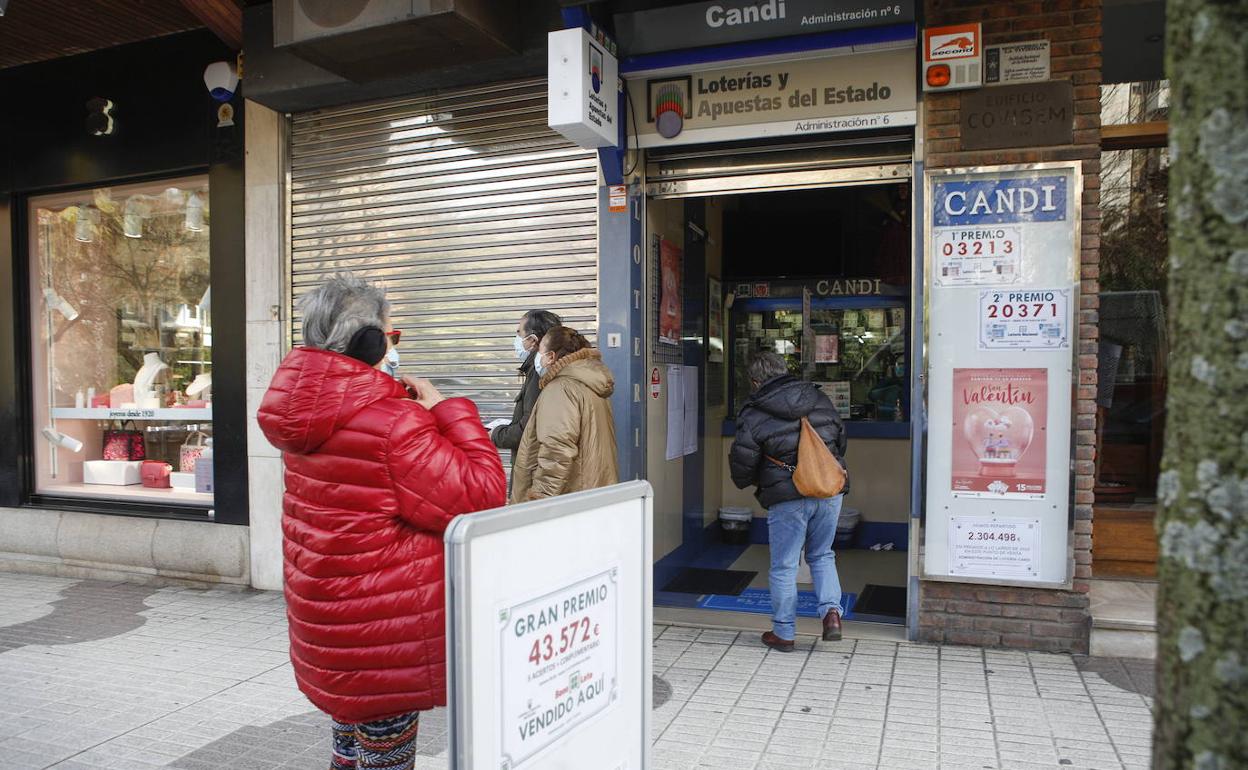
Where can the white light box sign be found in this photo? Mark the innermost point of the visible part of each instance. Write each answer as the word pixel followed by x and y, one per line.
pixel 1002 245
pixel 582 99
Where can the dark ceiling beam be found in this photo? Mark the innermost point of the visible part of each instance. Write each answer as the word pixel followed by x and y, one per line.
pixel 223 17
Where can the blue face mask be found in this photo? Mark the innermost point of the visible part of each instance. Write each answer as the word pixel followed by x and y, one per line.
pixel 392 362
pixel 518 342
pixel 537 362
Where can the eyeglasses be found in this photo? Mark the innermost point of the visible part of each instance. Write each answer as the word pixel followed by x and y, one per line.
pixel 394 337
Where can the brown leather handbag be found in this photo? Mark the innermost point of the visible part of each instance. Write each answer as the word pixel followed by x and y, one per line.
pixel 817 474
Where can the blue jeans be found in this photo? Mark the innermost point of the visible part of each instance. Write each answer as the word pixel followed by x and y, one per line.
pixel 808 522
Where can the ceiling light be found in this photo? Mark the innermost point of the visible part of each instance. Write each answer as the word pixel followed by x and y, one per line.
pixel 85 224
pixel 132 220
pixel 194 220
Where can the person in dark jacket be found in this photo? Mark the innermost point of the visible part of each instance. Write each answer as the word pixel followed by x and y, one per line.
pixel 767 433
pixel 529 333
pixel 375 470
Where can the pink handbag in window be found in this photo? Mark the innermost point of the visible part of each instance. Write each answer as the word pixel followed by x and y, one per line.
pixel 191 451
pixel 155 474
pixel 123 444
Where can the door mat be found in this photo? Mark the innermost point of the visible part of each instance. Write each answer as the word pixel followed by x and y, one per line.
pixel 695 580
pixel 889 601
pixel 758 601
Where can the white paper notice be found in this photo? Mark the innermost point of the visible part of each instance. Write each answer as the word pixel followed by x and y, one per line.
pixel 691 410
pixel 988 546
pixel 560 663
pixel 978 256
pixel 1017 319
pixel 675 412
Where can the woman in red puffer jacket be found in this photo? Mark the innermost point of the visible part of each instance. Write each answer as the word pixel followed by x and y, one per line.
pixel 375 470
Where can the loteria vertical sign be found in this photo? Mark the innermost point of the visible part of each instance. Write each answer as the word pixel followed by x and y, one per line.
pixel 582 99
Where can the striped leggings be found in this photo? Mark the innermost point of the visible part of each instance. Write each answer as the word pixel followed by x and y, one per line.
pixel 387 744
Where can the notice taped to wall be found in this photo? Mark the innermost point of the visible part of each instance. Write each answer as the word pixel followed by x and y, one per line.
pixel 981 546
pixel 1019 319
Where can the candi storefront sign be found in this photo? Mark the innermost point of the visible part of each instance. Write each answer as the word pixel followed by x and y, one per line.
pixel 821 287
pixel 812 96
pixel 692 25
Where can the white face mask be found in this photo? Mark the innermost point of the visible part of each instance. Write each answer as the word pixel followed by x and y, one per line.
pixel 392 361
pixel 537 362
pixel 521 353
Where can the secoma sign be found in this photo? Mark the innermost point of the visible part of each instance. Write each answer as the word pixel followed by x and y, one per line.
pixel 1031 115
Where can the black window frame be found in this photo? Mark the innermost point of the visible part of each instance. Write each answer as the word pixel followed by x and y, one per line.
pixel 227 277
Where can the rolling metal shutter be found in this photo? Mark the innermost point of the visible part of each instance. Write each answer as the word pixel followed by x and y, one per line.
pixel 690 172
pixel 469 210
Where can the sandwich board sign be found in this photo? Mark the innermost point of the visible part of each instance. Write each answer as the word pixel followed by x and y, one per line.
pixel 549 616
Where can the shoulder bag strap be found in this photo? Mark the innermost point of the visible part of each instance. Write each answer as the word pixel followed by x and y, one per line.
pixel 774 461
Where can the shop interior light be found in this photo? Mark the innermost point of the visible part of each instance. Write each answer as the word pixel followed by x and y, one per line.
pixel 84 226
pixel 194 213
pixel 59 304
pixel 132 220
pixel 60 439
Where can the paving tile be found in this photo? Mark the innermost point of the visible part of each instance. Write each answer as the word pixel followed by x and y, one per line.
pixel 196 679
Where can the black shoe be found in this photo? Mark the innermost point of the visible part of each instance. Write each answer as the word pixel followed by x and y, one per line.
pixel 832 626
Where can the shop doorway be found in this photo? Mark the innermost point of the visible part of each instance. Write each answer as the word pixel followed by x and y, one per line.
pixel 815 264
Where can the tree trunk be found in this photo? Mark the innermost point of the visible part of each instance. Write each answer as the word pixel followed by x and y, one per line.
pixel 1202 689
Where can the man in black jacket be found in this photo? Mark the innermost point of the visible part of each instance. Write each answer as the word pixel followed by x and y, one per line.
pixel 763 455
pixel 529 332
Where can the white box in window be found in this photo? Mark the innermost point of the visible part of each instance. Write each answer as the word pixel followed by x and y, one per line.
pixel 117 473
pixel 182 481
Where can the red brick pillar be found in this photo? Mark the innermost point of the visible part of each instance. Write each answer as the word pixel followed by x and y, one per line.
pixel 1029 618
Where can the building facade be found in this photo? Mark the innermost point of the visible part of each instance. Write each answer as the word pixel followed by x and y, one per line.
pixel 121 204
pixel 776 187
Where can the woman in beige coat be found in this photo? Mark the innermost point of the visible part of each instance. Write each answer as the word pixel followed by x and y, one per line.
pixel 569 441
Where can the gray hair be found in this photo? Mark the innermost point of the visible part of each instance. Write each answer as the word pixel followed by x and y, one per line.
pixel 340 307
pixel 766 366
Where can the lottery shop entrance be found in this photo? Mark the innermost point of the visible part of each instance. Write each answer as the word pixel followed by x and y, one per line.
pixel 806 251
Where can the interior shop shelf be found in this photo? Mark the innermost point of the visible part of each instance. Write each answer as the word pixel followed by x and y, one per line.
pixel 133 492
pixel 203 414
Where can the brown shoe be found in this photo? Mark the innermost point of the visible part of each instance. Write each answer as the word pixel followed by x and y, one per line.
pixel 832 626
pixel 776 643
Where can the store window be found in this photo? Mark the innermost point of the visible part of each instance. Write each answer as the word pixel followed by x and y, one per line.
pixel 832 299
pixel 1134 321
pixel 122 343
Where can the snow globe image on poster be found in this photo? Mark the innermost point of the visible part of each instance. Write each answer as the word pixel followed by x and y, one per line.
pixel 1000 416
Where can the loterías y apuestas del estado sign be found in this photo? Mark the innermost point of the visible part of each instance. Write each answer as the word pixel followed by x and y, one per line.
pixel 810 96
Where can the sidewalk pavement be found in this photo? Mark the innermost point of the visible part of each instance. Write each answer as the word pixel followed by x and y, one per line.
pixel 111 675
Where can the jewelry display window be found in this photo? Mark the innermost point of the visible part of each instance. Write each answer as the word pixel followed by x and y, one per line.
pixel 121 321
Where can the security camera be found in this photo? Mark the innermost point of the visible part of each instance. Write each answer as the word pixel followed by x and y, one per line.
pixel 221 80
